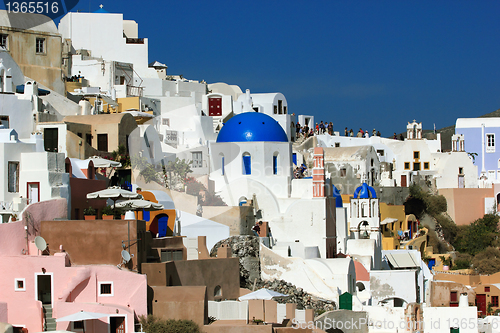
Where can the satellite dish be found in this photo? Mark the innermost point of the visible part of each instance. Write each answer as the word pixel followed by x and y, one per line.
pixel 125 256
pixel 40 243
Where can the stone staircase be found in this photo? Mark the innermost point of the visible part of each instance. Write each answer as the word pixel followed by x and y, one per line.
pixel 50 323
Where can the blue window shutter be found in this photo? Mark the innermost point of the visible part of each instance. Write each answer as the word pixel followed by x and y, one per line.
pixel 247 165
pixel 294 158
pixel 145 215
pixel 275 165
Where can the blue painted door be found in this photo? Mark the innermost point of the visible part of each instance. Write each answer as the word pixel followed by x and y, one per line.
pixel 162 226
pixel 432 263
pixel 145 215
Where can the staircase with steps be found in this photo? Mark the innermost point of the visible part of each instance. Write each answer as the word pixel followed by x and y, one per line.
pixel 50 323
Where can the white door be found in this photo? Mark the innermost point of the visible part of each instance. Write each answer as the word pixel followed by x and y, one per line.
pixel 33 192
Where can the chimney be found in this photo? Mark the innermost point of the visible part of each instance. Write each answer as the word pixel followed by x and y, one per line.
pixel 463 301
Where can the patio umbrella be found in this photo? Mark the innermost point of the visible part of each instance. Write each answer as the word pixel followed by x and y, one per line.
pixel 263 293
pixel 100 162
pixel 114 193
pixel 136 204
pixel 81 316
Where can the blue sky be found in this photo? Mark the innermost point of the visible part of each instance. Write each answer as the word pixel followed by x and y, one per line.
pixel 356 63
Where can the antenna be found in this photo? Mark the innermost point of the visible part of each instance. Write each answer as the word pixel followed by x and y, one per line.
pixel 125 256
pixel 40 243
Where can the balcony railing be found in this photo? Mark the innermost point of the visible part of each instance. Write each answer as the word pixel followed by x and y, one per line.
pixel 134 91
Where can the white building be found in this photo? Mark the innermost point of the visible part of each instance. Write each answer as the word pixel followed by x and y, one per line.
pixel 251 160
pixel 414 156
pixel 366 240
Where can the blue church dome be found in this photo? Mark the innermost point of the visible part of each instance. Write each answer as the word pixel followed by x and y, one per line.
pixel 337 196
pixel 251 126
pixel 364 191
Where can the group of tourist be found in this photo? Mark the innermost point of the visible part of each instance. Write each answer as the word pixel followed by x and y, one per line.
pixel 361 133
pixel 325 127
pixel 300 172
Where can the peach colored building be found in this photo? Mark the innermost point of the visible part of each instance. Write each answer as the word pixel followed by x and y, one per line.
pixel 220 276
pixel 98 242
pixel 82 181
pixel 465 205
pixel 447 293
pixel 43 283
pixel 487 294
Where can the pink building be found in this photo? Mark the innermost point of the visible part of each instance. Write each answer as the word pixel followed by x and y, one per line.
pixel 39 284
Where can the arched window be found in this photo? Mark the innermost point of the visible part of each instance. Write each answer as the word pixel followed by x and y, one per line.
pixel 247 163
pixel 360 286
pixel 218 291
pixel 275 163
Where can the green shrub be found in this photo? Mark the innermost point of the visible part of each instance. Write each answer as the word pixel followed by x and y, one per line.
pixel 108 210
pixel 89 211
pixel 462 261
pixel 153 324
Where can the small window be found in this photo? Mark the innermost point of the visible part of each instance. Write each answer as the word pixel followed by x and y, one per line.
pixel 453 296
pixel 486 289
pixel 426 165
pixel 494 301
pixel 13 185
pixel 416 166
pixel 460 171
pixel 20 284
pixel 275 109
pixel 407 165
pixel 284 110
pixel 222 166
pixel 416 155
pixel 105 288
pixel 337 144
pixel 165 121
pixel 490 143
pixel 343 172
pixel 380 152
pixel 4 120
pixel 197 158
pixel 40 46
pixel 4 39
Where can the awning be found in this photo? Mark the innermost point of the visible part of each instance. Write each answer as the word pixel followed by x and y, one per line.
pixel 388 220
pixel 402 260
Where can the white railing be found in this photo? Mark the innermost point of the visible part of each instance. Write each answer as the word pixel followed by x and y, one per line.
pixel 6 205
pixel 228 310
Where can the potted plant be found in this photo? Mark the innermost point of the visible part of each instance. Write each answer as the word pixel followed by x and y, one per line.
pixel 89 213
pixel 107 213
